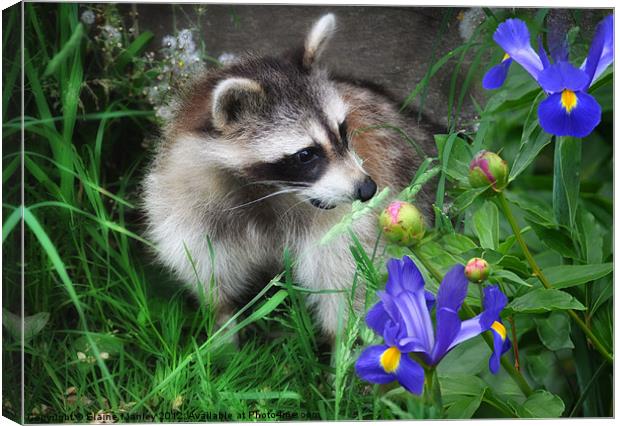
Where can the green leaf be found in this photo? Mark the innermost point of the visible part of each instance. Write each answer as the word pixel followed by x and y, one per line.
pixel 536 209
pixel 486 225
pixel 539 365
pixel 507 261
pixel 465 199
pixel 590 237
pixel 555 239
pixel 464 408
pixel 533 140
pixel 507 244
pixel 510 277
pixel 465 359
pixel 603 325
pixel 554 331
pixel 454 386
pixel 564 276
pixel 455 155
pixel 457 243
pixel 544 300
pixel 602 290
pixel 541 404
pixel 567 163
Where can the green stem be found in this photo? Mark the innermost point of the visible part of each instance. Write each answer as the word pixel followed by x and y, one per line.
pixel 488 338
pixel 432 393
pixel 515 342
pixel 536 271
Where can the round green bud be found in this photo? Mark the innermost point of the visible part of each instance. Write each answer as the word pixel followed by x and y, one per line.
pixel 488 168
pixel 402 223
pixel 477 270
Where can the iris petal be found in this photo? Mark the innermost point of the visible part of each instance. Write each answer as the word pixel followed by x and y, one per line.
pixel 377 317
pixel 430 300
pixel 469 329
pixel 453 289
pixel 368 365
pixel 494 302
pixel 500 346
pixel 403 275
pixel 495 77
pixel 542 54
pixel 416 318
pixel 601 53
pixel 577 121
pixel 514 37
pixel 563 75
pixel 448 327
pixel 410 375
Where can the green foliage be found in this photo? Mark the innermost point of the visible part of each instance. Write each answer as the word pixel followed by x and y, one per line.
pixel 106 327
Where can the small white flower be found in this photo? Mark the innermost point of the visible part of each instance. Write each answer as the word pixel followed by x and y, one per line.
pixel 88 17
pixel 112 34
pixel 169 42
pixel 185 41
pixel 164 112
pixel 81 356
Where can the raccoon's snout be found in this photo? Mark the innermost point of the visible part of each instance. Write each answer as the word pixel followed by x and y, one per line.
pixel 366 189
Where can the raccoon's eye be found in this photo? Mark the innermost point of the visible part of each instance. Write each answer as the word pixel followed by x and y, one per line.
pixel 307 155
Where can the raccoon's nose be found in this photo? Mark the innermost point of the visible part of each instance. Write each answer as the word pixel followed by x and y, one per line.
pixel 366 189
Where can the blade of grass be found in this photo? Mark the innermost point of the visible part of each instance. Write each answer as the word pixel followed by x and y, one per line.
pixel 432 71
pixel 134 49
pixel 10 222
pixel 67 49
pixel 49 248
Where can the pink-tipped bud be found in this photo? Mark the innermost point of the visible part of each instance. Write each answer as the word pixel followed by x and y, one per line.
pixel 402 223
pixel 488 168
pixel 477 270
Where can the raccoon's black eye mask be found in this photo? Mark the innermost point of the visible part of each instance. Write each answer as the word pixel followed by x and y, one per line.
pixel 305 166
pixel 342 130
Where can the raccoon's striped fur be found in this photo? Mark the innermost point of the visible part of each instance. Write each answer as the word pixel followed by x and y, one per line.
pixel 267 154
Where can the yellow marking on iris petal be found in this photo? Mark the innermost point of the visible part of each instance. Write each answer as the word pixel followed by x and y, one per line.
pixel 506 56
pixel 499 328
pixel 390 359
pixel 568 100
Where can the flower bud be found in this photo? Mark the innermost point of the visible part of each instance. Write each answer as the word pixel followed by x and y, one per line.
pixel 488 168
pixel 402 223
pixel 477 270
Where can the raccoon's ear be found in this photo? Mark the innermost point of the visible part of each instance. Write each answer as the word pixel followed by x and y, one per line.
pixel 235 97
pixel 317 38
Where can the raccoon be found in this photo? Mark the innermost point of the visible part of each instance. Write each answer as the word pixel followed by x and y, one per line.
pixel 267 154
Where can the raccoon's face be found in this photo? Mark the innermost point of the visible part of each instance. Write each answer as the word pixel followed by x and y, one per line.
pixel 282 122
pixel 312 157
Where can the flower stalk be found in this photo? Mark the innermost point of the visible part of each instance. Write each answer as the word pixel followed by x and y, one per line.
pixel 515 345
pixel 508 367
pixel 537 272
pixel 432 392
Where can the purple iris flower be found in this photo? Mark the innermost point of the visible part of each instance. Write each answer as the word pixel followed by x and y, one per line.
pixel 568 110
pixel 403 318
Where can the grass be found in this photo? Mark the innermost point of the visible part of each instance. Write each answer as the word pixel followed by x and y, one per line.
pixel 125 339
